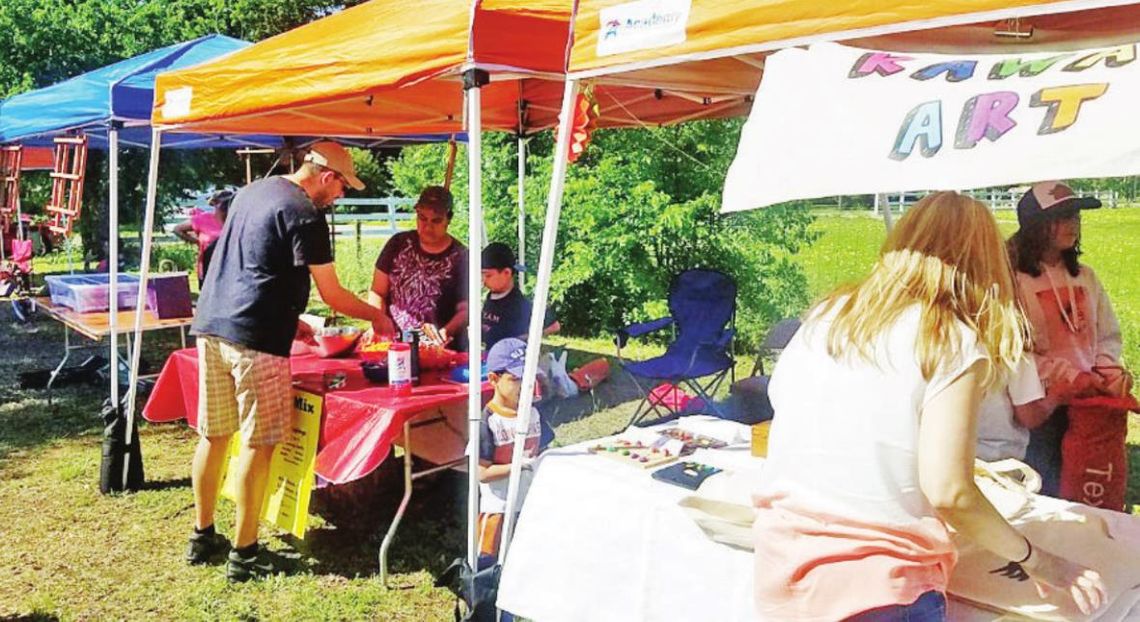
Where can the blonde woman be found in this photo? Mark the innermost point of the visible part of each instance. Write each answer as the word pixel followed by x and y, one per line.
pixel 872 448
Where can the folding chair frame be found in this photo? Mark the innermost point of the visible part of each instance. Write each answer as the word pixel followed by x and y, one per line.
pixel 703 391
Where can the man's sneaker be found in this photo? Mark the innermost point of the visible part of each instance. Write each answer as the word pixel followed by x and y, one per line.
pixel 240 569
pixel 205 548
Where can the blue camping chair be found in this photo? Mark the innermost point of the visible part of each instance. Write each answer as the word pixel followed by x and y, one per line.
pixel 702 304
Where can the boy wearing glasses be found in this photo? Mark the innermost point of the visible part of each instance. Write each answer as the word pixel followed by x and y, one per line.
pixel 421 275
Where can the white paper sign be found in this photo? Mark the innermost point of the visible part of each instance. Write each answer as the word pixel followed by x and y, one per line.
pixel 177 103
pixel 642 25
pixel 834 120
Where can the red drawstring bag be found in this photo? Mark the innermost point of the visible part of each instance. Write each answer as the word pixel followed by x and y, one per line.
pixel 1094 464
pixel 591 374
pixel 669 396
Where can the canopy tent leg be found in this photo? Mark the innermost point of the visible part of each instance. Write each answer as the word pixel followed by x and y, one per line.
pixel 473 81
pixel 538 313
pixel 140 302
pixel 885 201
pixel 521 258
pixel 113 260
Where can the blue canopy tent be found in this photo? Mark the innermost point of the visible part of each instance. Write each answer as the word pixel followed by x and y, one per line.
pixel 112 105
pixel 116 97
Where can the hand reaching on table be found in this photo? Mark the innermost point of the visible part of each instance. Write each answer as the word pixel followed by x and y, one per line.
pixel 304 333
pixel 1054 573
pixel 383 325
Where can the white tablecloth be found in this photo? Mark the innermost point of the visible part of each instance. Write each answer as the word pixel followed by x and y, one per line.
pixel 600 540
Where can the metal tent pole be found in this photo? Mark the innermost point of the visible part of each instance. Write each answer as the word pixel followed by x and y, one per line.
pixel 886 203
pixel 522 211
pixel 113 257
pixel 538 313
pixel 473 81
pixel 140 301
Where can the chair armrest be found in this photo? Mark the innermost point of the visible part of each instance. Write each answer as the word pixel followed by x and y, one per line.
pixel 639 329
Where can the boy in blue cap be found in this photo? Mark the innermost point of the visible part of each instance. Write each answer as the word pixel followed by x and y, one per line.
pixel 496 443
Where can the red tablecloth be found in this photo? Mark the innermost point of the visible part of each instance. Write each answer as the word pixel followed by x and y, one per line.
pixel 359 421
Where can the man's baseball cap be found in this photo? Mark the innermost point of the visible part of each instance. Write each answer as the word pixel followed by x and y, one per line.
pixel 507 355
pixel 335 158
pixel 436 198
pixel 498 256
pixel 1047 200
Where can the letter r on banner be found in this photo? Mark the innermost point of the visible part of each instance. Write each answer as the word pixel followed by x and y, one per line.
pixel 985 116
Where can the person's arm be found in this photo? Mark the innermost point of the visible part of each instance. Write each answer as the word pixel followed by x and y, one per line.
pixel 185 232
pixel 1031 405
pixel 552 328
pixel 458 321
pixel 947 434
pixel 490 472
pixel 1033 414
pixel 340 299
pixel 378 296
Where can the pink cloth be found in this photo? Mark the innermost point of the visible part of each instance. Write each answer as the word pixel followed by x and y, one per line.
pixel 810 566
pixel 359 422
pixel 207 227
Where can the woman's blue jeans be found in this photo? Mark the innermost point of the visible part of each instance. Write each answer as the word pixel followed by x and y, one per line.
pixel 930 607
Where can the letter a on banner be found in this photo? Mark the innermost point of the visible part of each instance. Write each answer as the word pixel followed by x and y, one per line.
pixel 922 125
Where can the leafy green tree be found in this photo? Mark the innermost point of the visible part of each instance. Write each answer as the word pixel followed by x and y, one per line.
pixel 46 41
pixel 640 206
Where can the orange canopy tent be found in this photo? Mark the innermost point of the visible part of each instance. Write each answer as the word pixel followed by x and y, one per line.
pixel 679 60
pixel 381 70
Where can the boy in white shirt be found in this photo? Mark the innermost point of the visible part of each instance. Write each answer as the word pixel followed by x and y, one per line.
pixel 1006 417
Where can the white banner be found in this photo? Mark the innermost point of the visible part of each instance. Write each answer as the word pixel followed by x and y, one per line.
pixel 834 120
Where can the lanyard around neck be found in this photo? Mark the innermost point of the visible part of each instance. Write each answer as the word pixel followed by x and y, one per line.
pixel 1070 320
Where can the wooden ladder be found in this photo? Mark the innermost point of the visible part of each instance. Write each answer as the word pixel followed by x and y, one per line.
pixel 67 184
pixel 10 160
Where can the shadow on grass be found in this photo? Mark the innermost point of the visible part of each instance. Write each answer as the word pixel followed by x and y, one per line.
pixel 358 514
pixel 31 617
pixel 181 482
pixel 26 419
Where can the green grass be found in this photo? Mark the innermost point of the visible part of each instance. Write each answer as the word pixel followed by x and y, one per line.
pixel 69 552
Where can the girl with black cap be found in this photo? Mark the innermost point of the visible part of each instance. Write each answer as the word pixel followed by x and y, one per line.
pixel 1076 335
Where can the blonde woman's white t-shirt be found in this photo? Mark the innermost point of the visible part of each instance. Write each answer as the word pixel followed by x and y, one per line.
pixel 842 525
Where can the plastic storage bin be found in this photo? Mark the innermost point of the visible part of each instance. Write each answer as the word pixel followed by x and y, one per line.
pixel 86 293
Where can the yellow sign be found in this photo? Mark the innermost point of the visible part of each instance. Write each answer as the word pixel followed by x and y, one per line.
pixel 760 438
pixel 290 480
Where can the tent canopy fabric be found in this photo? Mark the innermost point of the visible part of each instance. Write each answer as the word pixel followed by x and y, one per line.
pixel 705 58
pixel 121 93
pixel 380 69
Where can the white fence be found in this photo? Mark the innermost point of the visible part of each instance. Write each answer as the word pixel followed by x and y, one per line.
pixel 388 215
pixel 385 211
pixel 1004 199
